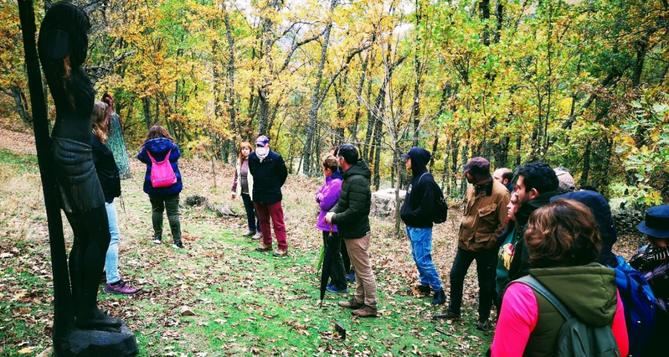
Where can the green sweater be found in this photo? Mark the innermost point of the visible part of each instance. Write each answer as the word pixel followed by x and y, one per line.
pixel 352 209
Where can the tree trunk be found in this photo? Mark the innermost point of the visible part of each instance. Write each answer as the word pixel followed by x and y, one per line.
pixel 146 106
pixel 21 105
pixel 230 71
pixel 358 98
pixel 586 164
pixel 315 96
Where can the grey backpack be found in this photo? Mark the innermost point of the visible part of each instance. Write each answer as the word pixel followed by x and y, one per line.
pixel 576 339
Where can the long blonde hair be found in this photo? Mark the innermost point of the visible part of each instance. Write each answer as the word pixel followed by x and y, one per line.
pixel 243 145
pixel 100 121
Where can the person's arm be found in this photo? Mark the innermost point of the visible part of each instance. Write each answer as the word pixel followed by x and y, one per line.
pixel 358 198
pixel 502 211
pixel 330 196
pixel 234 182
pixel 281 170
pixel 426 206
pixel 142 156
pixel 619 327
pixel 175 154
pixel 517 319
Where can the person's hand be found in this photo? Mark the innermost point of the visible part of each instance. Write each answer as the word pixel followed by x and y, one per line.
pixel 328 217
pixel 234 195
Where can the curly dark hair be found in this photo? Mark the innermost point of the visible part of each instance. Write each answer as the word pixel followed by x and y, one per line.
pixel 562 233
pixel 537 175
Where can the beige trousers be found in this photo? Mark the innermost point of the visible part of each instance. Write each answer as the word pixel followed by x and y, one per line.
pixel 358 251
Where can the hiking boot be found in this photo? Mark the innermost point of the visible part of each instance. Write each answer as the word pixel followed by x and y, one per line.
pixel 249 234
pixel 264 248
pixel 439 297
pixel 256 236
pixel 178 245
pixel 421 290
pixel 350 277
pixel 280 253
pixel 120 287
pixel 351 304
pixel 483 325
pixel 448 316
pixel 365 311
pixel 333 289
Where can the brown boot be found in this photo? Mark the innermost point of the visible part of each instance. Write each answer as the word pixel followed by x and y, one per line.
pixel 351 304
pixel 365 311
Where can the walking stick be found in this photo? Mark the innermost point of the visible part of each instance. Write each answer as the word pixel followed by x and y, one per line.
pixel 62 319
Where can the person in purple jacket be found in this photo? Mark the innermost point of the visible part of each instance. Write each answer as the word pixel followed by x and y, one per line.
pixel 327 197
pixel 159 143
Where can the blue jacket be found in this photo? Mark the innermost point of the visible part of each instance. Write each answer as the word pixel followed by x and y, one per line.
pixel 158 148
pixel 268 177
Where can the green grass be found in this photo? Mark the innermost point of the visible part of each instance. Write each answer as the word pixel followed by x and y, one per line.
pixel 19 163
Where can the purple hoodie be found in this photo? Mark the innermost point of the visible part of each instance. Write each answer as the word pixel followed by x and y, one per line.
pixel 327 197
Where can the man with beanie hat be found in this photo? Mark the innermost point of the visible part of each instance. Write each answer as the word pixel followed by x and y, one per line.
pixel 417 212
pixel 351 215
pixel 483 219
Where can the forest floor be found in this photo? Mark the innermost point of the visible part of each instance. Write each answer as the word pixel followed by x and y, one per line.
pixel 219 296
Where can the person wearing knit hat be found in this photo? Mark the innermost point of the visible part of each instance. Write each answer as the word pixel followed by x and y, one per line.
pixel 652 260
pixel 566 182
pixel 483 220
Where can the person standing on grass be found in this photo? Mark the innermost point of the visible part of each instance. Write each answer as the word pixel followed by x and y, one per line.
pixel 351 215
pixel 110 181
pixel 269 174
pixel 158 145
pixel 417 212
pixel 242 185
pixel 326 197
pixel 483 220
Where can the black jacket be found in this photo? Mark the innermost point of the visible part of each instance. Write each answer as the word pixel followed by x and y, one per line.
pixel 419 203
pixel 268 177
pixel 352 209
pixel 106 168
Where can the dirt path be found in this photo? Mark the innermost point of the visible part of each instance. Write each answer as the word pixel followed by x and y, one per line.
pixel 17 142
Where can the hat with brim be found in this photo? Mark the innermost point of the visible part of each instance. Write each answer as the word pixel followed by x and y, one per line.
pixel 656 222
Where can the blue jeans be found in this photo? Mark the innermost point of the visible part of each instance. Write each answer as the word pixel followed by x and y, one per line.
pixel 111 260
pixel 421 250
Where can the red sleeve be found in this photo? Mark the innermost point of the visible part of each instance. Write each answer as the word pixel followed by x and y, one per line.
pixel 516 322
pixel 619 327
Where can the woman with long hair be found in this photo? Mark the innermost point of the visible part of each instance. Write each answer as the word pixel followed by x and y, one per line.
pixel 242 185
pixel 563 245
pixel 115 140
pixel 158 147
pixel 108 174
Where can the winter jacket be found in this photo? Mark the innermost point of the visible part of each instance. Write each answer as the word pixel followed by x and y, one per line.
pixel 419 203
pixel 268 177
pixel 529 325
pixel 520 261
pixel 158 148
pixel 237 181
pixel 352 209
pixel 106 168
pixel 484 216
pixel 327 197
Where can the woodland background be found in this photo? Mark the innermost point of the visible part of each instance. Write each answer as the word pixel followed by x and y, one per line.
pixel 579 84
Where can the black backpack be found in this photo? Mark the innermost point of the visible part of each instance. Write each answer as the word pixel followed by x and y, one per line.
pixel 576 339
pixel 440 205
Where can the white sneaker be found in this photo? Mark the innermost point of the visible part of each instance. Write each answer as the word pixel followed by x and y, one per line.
pixel 256 236
pixel 156 241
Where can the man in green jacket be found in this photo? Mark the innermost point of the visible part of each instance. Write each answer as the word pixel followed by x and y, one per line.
pixel 351 215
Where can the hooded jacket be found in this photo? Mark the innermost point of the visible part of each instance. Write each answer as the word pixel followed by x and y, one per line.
pixel 268 177
pixel 327 197
pixel 352 209
pixel 419 203
pixel 484 216
pixel 158 148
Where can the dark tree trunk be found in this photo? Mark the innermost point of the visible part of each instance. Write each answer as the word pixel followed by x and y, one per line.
pixel 146 106
pixel 585 173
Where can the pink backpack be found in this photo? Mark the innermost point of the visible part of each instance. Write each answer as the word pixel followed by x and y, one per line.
pixel 162 174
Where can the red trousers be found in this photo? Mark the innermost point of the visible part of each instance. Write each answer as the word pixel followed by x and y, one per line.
pixel 275 212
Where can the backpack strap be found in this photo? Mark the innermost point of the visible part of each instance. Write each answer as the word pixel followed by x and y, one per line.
pixel 421 177
pixel 154 161
pixel 541 289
